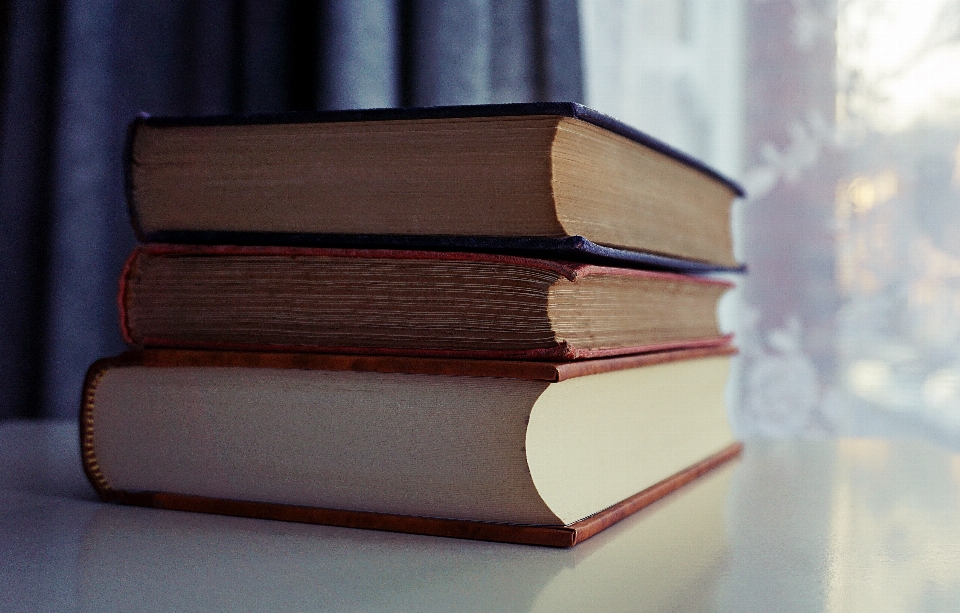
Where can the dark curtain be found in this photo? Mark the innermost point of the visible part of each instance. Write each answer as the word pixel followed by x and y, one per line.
pixel 74 73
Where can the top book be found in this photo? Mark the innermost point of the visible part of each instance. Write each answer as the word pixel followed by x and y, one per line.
pixel 543 178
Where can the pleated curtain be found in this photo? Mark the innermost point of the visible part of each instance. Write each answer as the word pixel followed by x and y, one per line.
pixel 74 73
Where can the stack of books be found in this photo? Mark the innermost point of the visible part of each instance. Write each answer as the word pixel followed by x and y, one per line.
pixel 486 322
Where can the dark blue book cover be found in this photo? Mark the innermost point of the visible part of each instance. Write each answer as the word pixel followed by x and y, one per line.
pixel 569 248
pixel 573 248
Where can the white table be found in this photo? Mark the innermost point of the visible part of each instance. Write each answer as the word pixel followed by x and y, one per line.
pixel 791 526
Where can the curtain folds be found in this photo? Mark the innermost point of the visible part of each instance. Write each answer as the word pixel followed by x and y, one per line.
pixel 75 72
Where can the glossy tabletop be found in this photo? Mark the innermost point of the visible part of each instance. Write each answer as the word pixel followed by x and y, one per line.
pixel 835 526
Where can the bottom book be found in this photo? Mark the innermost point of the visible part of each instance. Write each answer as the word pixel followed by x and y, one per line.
pixel 525 452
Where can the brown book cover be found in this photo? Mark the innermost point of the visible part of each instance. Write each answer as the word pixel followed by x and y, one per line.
pixel 550 535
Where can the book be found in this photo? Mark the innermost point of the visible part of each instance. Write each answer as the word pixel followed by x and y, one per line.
pixel 547 179
pixel 408 303
pixel 527 452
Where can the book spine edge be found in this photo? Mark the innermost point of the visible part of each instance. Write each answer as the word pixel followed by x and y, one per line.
pixel 88 451
pixel 594 524
pixel 126 330
pixel 128 163
pixel 550 536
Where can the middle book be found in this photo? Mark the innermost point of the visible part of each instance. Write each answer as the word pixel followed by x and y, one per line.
pixel 396 302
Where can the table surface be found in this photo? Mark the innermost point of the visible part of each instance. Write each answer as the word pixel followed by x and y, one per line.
pixel 847 525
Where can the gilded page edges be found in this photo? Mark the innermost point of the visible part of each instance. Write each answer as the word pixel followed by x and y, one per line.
pixel 88 452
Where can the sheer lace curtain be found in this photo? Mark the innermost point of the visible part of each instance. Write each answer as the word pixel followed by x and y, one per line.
pixel 842 119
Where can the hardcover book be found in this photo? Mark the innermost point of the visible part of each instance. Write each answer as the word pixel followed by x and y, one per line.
pixel 408 303
pixel 548 179
pixel 527 452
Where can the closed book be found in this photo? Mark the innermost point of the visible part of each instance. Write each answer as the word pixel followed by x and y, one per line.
pixel 527 452
pixel 408 303
pixel 548 179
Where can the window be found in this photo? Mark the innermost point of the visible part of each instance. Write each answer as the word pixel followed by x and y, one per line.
pixel 842 120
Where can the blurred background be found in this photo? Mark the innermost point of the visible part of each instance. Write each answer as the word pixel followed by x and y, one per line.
pixel 840 117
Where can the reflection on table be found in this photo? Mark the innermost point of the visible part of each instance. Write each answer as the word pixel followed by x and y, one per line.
pixel 834 526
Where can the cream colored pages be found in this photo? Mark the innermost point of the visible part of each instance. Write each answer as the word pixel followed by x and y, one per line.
pixel 472 176
pixel 619 193
pixel 594 441
pixel 396 443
